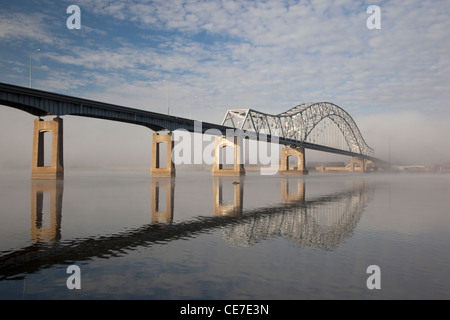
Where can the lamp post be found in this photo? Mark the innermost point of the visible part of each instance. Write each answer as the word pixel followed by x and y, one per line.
pixel 168 96
pixel 190 110
pixel 31 54
pixel 389 152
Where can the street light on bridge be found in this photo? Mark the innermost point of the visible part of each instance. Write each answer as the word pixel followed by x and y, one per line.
pixel 168 96
pixel 31 54
pixel 190 110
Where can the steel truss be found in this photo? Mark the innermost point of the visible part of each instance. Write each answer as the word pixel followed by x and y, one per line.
pixel 321 123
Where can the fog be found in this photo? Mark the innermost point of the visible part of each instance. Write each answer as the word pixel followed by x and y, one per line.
pixel 411 138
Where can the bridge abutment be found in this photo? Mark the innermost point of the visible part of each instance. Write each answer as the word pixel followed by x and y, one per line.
pixel 56 168
pixel 300 154
pixel 156 170
pixel 238 168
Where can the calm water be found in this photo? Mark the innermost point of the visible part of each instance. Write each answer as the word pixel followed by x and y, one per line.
pixel 196 237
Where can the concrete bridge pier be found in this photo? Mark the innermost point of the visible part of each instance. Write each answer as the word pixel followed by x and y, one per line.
pixel 369 165
pixel 300 154
pixel 238 168
pixel 156 170
pixel 56 169
pixel 357 164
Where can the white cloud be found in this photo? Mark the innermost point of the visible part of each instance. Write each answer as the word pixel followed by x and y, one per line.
pixel 318 47
pixel 25 26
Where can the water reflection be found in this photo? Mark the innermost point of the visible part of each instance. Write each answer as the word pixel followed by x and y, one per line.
pixel 163 194
pixel 221 208
pixel 288 196
pixel 321 221
pixel 53 208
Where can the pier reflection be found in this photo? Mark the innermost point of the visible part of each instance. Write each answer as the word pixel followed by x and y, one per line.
pixel 287 195
pixel 322 221
pixel 162 199
pixel 221 208
pixel 46 215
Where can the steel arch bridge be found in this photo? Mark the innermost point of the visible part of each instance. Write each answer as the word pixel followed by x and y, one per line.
pixel 320 123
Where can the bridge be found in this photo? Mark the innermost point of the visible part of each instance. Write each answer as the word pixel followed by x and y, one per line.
pixel 317 126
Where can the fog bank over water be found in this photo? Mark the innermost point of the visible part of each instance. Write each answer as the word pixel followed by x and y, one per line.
pixel 415 138
pixel 410 138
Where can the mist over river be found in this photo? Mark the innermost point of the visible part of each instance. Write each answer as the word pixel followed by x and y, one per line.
pixel 195 236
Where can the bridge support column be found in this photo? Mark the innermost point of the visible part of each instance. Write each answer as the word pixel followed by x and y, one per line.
pixel 238 169
pixel 357 164
pixel 156 170
pixel 300 154
pixel 369 165
pixel 56 169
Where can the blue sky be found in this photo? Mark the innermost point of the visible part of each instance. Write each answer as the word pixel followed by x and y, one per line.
pixel 210 56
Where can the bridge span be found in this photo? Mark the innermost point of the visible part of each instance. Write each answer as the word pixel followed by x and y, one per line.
pixel 318 126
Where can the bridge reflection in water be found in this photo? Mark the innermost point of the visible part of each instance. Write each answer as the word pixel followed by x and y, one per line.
pixel 163 195
pixel 53 189
pixel 321 221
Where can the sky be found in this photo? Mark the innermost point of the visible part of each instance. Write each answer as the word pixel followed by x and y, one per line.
pixel 200 58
